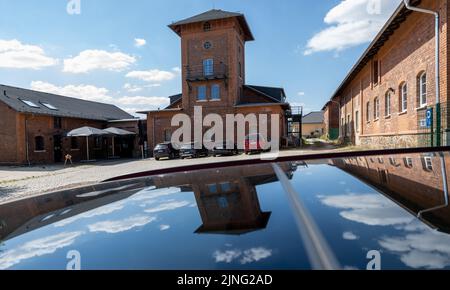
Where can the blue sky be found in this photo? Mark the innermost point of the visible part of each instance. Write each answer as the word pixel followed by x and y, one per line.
pixel 123 52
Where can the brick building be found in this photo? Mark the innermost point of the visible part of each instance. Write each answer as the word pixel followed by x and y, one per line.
pixel 385 98
pixel 414 181
pixel 213 75
pixel 33 126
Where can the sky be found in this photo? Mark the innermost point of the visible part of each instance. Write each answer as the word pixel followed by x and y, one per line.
pixel 122 52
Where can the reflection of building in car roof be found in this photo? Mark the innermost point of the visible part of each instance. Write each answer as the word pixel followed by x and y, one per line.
pixel 226 198
pixel 414 182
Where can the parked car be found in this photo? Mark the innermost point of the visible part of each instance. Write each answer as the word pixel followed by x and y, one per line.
pixel 189 150
pixel 254 143
pixel 165 150
pixel 226 148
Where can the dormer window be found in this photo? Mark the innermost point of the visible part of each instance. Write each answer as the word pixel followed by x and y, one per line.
pixel 206 26
pixel 49 106
pixel 30 104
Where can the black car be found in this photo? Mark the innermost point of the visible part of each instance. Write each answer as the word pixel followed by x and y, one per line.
pixel 190 150
pixel 226 148
pixel 165 150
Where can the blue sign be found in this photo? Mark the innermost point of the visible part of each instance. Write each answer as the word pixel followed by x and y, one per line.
pixel 429 118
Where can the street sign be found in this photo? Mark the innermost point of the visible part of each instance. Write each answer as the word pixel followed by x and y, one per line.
pixel 429 118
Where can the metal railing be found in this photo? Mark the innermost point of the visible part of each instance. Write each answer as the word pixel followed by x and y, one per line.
pixel 206 72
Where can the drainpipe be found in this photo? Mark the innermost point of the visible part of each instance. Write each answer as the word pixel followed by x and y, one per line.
pixel 27 146
pixel 437 51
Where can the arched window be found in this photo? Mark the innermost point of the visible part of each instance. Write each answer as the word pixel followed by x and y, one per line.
pixel 206 26
pixel 376 109
pixel 422 83
pixel 39 144
pixel 403 97
pixel 387 103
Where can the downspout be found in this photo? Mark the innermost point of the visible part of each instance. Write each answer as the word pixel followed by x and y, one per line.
pixel 437 51
pixel 27 147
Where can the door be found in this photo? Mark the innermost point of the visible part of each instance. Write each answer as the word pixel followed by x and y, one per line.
pixel 57 148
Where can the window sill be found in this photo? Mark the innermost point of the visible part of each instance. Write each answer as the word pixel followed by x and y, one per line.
pixel 403 113
pixel 202 101
pixel 388 117
pixel 376 120
pixel 40 151
pixel 421 108
pixel 215 100
pixel 74 149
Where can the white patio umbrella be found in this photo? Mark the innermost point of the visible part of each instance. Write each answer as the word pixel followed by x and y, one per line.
pixel 113 131
pixel 87 132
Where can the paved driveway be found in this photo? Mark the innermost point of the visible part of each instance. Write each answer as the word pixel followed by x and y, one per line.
pixel 19 182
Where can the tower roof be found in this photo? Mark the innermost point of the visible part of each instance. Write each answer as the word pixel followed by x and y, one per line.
pixel 214 14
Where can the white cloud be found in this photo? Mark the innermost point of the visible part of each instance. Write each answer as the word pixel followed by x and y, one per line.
pixel 369 209
pixel 164 227
pixel 132 88
pixel 90 60
pixel 139 42
pixel 167 206
pixel 14 54
pixel 37 248
pixel 245 257
pixel 349 236
pixel 143 101
pixel 351 23
pixel 153 75
pixel 118 226
pixel 177 69
pixel 421 247
pixel 301 94
pixel 84 92
pixel 104 210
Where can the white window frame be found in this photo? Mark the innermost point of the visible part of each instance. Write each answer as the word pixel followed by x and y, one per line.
pixel 376 108
pixel 208 67
pixel 387 104
pixel 428 162
pixel 404 98
pixel 423 90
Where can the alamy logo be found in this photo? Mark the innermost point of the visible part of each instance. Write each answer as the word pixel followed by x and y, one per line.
pixel 74 262
pixel 74 7
pixel 374 260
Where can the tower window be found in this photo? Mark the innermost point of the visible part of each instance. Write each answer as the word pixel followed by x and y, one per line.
pixel 208 67
pixel 207 45
pixel 201 93
pixel 215 92
pixel 207 26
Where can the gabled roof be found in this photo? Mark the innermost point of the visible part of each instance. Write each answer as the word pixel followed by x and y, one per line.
pixel 62 106
pixel 275 94
pixel 314 118
pixel 211 15
pixel 175 98
pixel 394 22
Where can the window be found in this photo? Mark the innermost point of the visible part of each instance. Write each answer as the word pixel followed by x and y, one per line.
pixel 357 121
pixel 98 142
pixel 167 135
pixel 376 72
pixel 201 93
pixel 368 112
pixel 57 122
pixel 215 92
pixel 223 202
pixel 50 106
pixel 206 26
pixel 427 163
pixel 387 104
pixel 30 104
pixel 404 97
pixel 225 187
pixel 74 143
pixel 408 162
pixel 240 69
pixel 207 45
pixel 380 160
pixel 39 144
pixel 208 67
pixel 212 188
pixel 376 109
pixel 349 126
pixel 422 90
pixel 393 161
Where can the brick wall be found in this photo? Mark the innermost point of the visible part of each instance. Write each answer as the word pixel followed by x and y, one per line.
pixel 408 52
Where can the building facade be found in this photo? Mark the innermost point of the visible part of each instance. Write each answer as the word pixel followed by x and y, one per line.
pixel 213 75
pixel 385 99
pixel 33 126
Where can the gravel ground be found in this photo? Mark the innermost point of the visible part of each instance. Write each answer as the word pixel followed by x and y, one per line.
pixel 20 182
